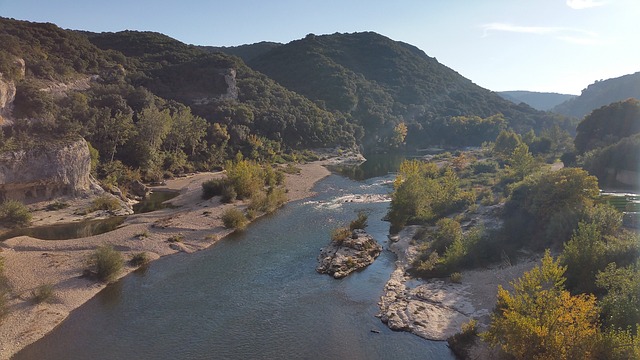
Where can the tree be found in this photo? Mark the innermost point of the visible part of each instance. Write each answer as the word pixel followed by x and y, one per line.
pixel 542 320
pixel 621 304
pixel 399 135
pixel 607 125
pixel 584 255
pixel 111 132
pixel 506 143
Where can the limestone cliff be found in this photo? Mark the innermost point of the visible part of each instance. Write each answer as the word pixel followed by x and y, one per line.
pixel 7 95
pixel 8 92
pixel 57 169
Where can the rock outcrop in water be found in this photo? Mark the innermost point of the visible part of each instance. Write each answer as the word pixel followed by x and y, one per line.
pixel 342 257
pixel 46 172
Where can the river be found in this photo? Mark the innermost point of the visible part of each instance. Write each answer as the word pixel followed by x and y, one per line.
pixel 253 295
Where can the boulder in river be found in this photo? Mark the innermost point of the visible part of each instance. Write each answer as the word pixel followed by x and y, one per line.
pixel 343 256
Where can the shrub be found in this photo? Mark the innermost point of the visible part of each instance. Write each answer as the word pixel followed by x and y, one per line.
pixel 14 214
pixel 233 218
pixel 56 206
pixel 139 259
pixel 42 293
pixel 483 167
pixel 213 187
pixel 176 238
pixel 108 263
pixel 461 342
pixel 105 202
pixel 340 234
pixel 228 194
pixel 360 222
pixel 456 277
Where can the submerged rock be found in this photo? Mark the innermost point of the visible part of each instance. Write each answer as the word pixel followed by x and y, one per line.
pixel 342 257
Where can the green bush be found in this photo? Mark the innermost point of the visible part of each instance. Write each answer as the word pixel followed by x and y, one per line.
pixel 461 342
pixel 139 259
pixel 360 222
pixel 108 263
pixel 105 202
pixel 213 187
pixel 483 167
pixel 456 277
pixel 228 194
pixel 233 218
pixel 56 206
pixel 14 214
pixel 340 234
pixel 42 293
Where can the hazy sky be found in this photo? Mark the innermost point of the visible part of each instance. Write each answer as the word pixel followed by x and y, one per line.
pixel 539 45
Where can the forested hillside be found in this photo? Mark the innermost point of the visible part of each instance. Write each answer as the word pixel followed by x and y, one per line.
pixel 601 93
pixel 382 83
pixel 149 103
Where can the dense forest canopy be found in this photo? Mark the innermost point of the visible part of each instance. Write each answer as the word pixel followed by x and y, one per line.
pixel 381 82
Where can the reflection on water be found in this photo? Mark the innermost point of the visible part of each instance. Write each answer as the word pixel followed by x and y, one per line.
pixel 73 230
pixel 376 165
pixel 154 201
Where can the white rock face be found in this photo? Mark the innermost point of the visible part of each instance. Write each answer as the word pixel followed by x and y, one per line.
pixel 7 95
pixel 46 172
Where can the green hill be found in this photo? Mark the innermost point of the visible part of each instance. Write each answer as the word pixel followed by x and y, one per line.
pixel 601 93
pixel 245 52
pixel 381 83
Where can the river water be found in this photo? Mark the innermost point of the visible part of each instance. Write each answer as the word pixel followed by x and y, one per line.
pixel 254 295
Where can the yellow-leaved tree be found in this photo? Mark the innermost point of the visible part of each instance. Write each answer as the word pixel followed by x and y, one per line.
pixel 542 320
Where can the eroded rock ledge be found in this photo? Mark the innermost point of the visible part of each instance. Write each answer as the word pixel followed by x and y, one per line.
pixel 342 257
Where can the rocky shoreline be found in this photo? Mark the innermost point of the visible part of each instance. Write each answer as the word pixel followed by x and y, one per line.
pixel 435 309
pixel 344 256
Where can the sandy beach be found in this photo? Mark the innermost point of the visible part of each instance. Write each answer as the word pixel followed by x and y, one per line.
pixel 30 262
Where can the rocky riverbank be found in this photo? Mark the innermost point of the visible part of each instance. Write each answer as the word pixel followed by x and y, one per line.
pixel 344 256
pixel 435 309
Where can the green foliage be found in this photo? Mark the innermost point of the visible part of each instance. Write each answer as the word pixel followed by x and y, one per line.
pixel 541 320
pixel 620 308
pixel 14 214
pixel 538 199
pixel 608 125
pixel 584 255
pixel 233 218
pixel 385 90
pixel 360 222
pixel 140 259
pixel 340 234
pixel 607 162
pixel 57 205
pixel 461 342
pixel 42 293
pixel 506 143
pixel 487 166
pixel 105 202
pixel 268 202
pixel 108 263
pixel 213 187
pixel 423 193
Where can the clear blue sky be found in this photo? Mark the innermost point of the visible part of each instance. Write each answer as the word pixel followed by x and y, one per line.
pixel 538 45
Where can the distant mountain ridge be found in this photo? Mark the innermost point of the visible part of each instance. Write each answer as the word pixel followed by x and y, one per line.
pixel 543 101
pixel 601 93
